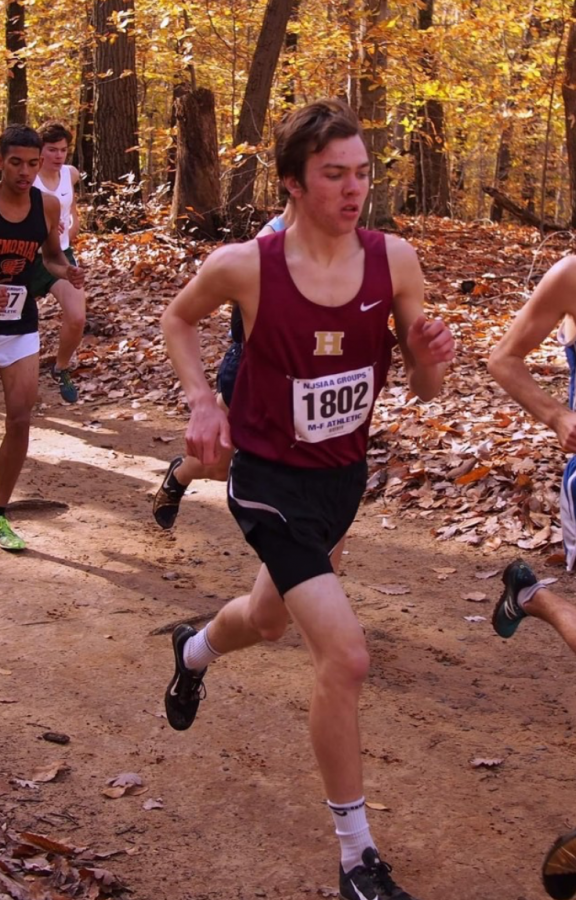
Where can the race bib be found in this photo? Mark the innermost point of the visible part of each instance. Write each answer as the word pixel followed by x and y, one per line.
pixel 333 405
pixel 16 298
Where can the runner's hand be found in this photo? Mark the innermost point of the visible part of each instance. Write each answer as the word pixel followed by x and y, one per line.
pixel 565 428
pixel 3 297
pixel 430 341
pixel 208 432
pixel 75 276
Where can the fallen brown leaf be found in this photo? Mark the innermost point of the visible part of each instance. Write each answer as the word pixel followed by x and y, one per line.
pixel 391 589
pixel 50 771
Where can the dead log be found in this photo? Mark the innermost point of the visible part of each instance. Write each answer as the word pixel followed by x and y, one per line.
pixel 524 215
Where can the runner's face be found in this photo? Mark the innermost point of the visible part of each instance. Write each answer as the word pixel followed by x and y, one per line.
pixel 336 185
pixel 54 155
pixel 19 168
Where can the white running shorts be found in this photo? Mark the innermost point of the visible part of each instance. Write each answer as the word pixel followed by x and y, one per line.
pixel 16 346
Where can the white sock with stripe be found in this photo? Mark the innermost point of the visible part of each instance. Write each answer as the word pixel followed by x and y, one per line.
pixel 198 651
pixel 352 831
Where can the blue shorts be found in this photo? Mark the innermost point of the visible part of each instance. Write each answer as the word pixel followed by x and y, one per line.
pixel 568 512
pixel 227 372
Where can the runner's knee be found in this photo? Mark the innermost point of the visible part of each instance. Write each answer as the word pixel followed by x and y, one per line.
pixel 269 627
pixel 347 667
pixel 18 420
pixel 75 319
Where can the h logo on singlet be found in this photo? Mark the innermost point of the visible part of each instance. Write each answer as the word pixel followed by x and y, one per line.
pixel 328 343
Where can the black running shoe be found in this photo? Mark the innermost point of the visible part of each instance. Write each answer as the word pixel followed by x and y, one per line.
pixel 186 688
pixel 508 613
pixel 370 881
pixel 559 868
pixel 168 497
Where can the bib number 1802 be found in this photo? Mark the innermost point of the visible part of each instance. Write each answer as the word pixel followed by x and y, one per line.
pixel 339 402
pixel 333 405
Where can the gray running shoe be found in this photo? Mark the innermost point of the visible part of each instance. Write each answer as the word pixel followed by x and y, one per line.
pixel 508 613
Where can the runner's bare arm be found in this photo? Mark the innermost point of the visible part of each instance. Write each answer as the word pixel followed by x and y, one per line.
pixel 228 273
pixel 52 255
pixel 553 298
pixel 4 296
pixel 427 345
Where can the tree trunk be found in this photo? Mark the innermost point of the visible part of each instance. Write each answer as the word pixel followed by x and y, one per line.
pixel 196 202
pixel 504 157
pixel 431 168
pixel 116 159
pixel 373 111
pixel 291 48
pixel 569 97
pixel 255 105
pixel 17 80
pixel 503 164
pixel 83 157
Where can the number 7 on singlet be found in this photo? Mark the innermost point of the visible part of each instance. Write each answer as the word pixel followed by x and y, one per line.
pixel 12 312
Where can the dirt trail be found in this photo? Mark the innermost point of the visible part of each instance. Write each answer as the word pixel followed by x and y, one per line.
pixel 243 812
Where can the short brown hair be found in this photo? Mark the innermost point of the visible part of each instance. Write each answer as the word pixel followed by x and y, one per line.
pixel 19 136
pixel 52 132
pixel 309 130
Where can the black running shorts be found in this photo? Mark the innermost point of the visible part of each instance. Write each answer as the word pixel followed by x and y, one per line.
pixel 293 517
pixel 227 372
pixel 42 280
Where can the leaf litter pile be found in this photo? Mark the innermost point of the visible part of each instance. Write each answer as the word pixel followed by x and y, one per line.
pixel 35 867
pixel 471 462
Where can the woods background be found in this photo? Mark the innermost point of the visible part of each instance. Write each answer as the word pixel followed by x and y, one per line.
pixel 469 106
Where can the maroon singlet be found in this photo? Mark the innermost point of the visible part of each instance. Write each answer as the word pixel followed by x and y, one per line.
pixel 310 374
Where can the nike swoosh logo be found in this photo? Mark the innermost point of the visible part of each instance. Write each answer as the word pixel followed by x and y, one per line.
pixel 364 307
pixel 174 688
pixel 358 893
pixel 339 812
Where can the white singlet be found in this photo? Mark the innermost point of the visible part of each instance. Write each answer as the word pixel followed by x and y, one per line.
pixel 65 194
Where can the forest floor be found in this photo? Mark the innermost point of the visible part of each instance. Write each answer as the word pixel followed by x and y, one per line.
pixel 467 737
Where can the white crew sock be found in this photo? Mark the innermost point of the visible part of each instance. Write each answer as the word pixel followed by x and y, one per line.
pixel 198 652
pixel 352 831
pixel 526 594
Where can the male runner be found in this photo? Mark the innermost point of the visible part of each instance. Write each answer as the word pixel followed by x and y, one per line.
pixel 58 179
pixel 183 470
pixel 315 302
pixel 28 222
pixel 553 302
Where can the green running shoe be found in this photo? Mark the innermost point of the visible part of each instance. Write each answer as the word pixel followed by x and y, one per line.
pixel 9 540
pixel 68 390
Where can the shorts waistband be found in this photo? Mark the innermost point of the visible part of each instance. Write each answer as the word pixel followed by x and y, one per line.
pixel 333 472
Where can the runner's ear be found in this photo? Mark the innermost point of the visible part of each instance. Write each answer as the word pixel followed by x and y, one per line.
pixel 293 187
